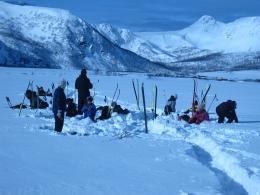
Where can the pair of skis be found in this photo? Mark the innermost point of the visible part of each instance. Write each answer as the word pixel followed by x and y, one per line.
pixel 116 95
pixel 195 96
pixel 30 84
pixel 137 97
pixel 117 92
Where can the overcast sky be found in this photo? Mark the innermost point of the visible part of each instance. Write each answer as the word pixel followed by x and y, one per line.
pixel 154 15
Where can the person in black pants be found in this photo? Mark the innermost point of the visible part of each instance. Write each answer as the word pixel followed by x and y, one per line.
pixel 83 85
pixel 227 110
pixel 59 106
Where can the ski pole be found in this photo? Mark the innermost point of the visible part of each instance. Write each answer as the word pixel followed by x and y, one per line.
pixel 215 97
pixel 115 92
pixel 138 94
pixel 205 95
pixel 118 95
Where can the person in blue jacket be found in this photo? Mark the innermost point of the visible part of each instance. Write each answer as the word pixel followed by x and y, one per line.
pixel 89 109
pixel 59 106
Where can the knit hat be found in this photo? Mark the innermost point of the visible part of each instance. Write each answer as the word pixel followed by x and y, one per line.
pixel 83 71
pixel 173 97
pixel 63 83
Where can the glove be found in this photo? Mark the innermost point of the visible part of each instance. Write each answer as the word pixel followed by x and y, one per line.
pixel 59 114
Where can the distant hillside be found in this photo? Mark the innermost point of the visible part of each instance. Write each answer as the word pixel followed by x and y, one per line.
pixel 208 44
pixel 53 38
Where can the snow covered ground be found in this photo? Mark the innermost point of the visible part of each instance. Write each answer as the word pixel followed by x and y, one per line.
pixel 115 156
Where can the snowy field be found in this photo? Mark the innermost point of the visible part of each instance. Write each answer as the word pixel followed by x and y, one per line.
pixel 115 157
pixel 245 75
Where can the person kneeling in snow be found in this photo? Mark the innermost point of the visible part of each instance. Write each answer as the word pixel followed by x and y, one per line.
pixel 35 100
pixel 200 115
pixel 89 109
pixel 71 110
pixel 118 109
pixel 59 106
pixel 227 109
pixel 170 105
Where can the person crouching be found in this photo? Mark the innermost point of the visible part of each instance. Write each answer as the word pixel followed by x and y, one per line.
pixel 170 105
pixel 227 110
pixel 89 109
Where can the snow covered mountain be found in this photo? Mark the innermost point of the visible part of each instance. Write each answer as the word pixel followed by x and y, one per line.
pixel 54 38
pixel 204 43
pixel 242 35
pixel 131 41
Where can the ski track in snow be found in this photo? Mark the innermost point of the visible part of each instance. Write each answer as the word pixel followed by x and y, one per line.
pixel 213 145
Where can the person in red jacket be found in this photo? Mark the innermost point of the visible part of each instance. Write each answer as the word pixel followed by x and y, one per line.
pixel 200 115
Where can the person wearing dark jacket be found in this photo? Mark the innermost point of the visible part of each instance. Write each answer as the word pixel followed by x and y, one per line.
pixel 71 109
pixel 83 85
pixel 170 105
pixel 35 100
pixel 227 109
pixel 59 106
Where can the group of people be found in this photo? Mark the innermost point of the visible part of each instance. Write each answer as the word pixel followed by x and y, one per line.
pixel 87 108
pixel 85 101
pixel 199 113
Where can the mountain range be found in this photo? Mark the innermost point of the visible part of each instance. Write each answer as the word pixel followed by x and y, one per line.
pixel 207 44
pixel 53 38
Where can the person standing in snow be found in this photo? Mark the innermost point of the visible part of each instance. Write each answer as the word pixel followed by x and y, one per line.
pixel 227 109
pixel 83 85
pixel 89 109
pixel 59 105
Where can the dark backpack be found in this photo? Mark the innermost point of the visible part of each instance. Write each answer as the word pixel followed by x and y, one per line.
pixel 105 112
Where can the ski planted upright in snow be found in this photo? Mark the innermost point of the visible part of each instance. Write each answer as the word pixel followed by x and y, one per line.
pixel 194 96
pixel 155 102
pixel 136 94
pixel 145 116
pixel 117 92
